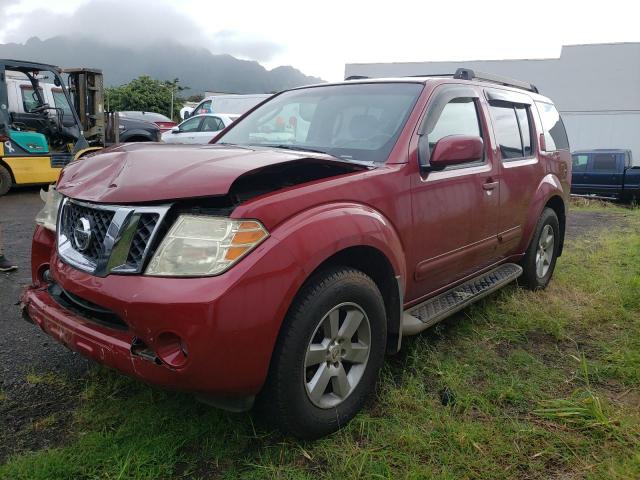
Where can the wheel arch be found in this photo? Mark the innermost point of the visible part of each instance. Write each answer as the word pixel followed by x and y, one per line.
pixel 556 203
pixel 6 165
pixel 548 195
pixel 374 263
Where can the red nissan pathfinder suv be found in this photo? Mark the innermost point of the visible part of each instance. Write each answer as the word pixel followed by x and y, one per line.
pixel 281 262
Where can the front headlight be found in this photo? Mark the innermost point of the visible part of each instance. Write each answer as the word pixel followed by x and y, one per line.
pixel 48 216
pixel 201 245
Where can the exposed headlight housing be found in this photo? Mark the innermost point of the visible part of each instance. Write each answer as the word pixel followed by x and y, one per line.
pixel 198 246
pixel 48 216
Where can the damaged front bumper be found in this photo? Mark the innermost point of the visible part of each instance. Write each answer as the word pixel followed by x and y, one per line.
pixel 192 334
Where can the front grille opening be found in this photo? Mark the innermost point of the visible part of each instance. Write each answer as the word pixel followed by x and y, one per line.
pixel 84 308
pixel 140 241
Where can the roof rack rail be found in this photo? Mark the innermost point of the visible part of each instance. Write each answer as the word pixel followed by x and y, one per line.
pixel 356 77
pixel 468 74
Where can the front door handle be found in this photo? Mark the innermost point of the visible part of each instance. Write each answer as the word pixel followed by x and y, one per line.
pixel 489 185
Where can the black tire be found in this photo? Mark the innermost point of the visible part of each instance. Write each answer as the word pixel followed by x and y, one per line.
pixel 531 277
pixel 284 401
pixel 6 182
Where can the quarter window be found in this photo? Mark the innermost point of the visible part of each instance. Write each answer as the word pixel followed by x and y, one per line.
pixel 555 135
pixel 459 117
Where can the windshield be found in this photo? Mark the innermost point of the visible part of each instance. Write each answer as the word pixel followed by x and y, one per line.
pixel 354 122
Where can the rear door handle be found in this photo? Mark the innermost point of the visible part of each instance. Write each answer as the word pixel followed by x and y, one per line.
pixel 489 185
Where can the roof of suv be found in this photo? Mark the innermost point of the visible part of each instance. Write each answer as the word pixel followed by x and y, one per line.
pixel 445 78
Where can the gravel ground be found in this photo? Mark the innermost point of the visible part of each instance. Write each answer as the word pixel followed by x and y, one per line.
pixel 40 380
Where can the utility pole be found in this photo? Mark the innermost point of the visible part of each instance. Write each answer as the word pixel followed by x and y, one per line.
pixel 171 114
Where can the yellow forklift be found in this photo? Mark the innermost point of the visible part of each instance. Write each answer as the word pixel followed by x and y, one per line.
pixel 45 123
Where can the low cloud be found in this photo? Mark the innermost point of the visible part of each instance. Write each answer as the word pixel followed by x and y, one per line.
pixel 132 24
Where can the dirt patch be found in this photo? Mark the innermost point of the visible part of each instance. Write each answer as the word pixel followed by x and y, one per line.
pixel 581 223
pixel 36 416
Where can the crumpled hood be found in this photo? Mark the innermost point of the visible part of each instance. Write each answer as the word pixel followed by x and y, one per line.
pixel 144 172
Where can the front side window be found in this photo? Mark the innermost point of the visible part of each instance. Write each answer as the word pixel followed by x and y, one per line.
pixel 29 98
pixel 459 117
pixel 204 107
pixel 190 125
pixel 354 122
pixel 555 135
pixel 604 162
pixel 580 162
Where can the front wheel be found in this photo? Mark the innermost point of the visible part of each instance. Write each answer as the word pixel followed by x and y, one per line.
pixel 540 260
pixel 326 361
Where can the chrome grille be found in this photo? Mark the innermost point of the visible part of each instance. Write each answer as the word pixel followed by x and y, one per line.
pixel 99 220
pixel 103 239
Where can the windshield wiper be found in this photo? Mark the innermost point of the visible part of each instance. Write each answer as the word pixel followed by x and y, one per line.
pixel 287 146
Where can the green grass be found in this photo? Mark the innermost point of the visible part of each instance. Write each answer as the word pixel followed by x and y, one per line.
pixel 545 385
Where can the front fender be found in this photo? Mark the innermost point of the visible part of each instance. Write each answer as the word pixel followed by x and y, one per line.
pixel 318 233
pixel 549 187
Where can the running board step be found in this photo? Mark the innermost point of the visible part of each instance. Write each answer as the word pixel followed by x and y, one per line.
pixel 422 316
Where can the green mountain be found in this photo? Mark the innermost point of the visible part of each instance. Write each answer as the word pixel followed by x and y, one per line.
pixel 197 68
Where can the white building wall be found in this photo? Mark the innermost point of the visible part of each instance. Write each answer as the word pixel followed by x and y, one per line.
pixel 595 87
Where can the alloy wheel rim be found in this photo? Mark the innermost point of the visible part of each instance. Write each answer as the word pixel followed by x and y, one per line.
pixel 544 253
pixel 337 355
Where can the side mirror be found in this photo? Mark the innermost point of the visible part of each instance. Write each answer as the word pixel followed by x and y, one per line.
pixel 456 149
pixel 175 130
pixel 186 115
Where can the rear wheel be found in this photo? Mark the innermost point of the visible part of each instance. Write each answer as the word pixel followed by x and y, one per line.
pixel 5 180
pixel 540 259
pixel 327 359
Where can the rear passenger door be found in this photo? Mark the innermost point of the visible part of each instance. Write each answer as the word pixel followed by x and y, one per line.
pixel 455 210
pixel 520 170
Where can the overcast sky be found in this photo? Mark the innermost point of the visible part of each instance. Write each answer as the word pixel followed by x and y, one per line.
pixel 319 37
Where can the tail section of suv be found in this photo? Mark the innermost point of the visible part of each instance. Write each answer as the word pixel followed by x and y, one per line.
pixel 282 262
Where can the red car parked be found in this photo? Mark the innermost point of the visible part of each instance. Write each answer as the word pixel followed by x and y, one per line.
pixel 162 122
pixel 282 262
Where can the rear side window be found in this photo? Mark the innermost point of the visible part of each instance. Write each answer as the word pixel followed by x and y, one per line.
pixel 555 135
pixel 459 117
pixel 512 129
pixel 211 124
pixel 580 162
pixel 604 162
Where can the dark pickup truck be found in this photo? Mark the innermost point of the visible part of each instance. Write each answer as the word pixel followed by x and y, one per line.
pixel 605 173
